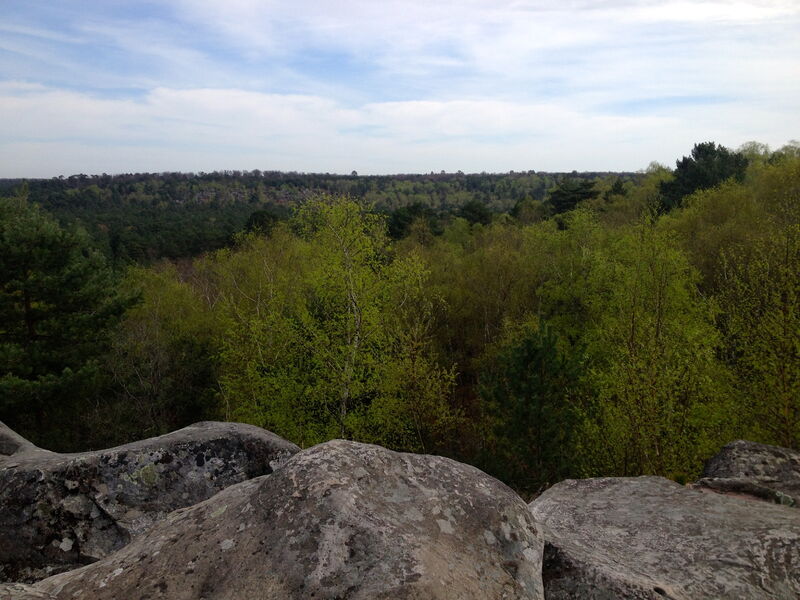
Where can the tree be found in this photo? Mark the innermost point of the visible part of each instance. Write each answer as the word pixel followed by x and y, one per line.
pixel 161 360
pixel 58 300
pixel 262 220
pixel 570 192
pixel 529 385
pixel 651 347
pixel 617 189
pixel 761 300
pixel 326 336
pixel 476 211
pixel 527 211
pixel 401 220
pixel 708 166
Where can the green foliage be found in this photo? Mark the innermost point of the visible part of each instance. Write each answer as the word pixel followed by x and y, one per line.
pixel 761 300
pixel 263 220
pixel 708 166
pixel 530 387
pixel 57 300
pixel 475 211
pixel 588 333
pixel 143 217
pixel 528 211
pixel 337 347
pixel 161 361
pixel 402 220
pixel 651 344
pixel 569 193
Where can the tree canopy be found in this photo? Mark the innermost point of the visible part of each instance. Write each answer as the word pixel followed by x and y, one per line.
pixel 57 299
pixel 537 328
pixel 708 166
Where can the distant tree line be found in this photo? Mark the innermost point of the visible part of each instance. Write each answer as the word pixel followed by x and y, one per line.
pixel 143 217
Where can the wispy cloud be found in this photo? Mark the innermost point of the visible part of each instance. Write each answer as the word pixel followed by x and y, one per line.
pixel 390 86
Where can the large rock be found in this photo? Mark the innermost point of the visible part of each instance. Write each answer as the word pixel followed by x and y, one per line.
pixel 650 538
pixel 340 520
pixel 20 591
pixel 60 511
pixel 748 469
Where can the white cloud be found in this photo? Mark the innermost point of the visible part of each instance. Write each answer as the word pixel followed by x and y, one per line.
pixel 397 85
pixel 208 129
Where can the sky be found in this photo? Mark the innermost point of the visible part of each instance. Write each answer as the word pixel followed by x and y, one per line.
pixel 384 86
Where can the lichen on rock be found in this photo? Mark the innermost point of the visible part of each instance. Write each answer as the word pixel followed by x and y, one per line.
pixel 61 511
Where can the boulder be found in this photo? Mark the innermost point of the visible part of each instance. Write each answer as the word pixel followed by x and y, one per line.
pixel 756 471
pixel 60 511
pixel 339 520
pixel 20 591
pixel 651 538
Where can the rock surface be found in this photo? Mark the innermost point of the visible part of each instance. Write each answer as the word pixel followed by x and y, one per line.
pixel 339 520
pixel 753 470
pixel 20 591
pixel 650 538
pixel 60 511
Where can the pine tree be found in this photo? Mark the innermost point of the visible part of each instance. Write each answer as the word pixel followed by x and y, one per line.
pixel 57 300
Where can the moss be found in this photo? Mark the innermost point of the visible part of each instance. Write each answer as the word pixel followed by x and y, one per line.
pixel 147 475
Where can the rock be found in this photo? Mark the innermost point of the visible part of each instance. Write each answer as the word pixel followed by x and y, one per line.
pixel 12 443
pixel 60 511
pixel 650 538
pixel 19 591
pixel 339 520
pixel 757 471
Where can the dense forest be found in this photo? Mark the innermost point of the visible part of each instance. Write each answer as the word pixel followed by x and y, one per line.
pixel 539 326
pixel 146 217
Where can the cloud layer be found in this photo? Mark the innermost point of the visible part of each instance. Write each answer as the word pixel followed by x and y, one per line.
pixel 391 86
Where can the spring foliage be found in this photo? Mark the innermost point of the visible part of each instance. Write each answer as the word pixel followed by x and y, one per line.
pixel 611 338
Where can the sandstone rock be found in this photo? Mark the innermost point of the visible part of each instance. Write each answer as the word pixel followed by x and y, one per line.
pixel 11 443
pixel 20 591
pixel 339 520
pixel 651 538
pixel 60 511
pixel 753 470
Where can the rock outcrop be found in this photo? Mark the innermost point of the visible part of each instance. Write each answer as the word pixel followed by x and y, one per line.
pixel 60 511
pixel 356 521
pixel 752 470
pixel 339 520
pixel 650 538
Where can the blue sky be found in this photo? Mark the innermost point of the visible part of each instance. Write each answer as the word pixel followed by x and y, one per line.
pixel 389 86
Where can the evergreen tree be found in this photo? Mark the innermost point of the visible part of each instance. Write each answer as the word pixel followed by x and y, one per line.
pixel 57 301
pixel 708 166
pixel 570 192
pixel 528 388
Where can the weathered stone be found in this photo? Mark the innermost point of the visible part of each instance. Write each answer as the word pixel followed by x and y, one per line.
pixel 339 520
pixel 60 511
pixel 650 538
pixel 20 591
pixel 756 471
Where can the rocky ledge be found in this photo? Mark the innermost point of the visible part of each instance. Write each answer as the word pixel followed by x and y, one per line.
pixel 340 520
pixel 59 511
pixel 648 538
pixel 759 471
pixel 345 520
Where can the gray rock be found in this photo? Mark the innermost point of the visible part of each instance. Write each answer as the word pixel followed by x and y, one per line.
pixel 757 471
pixel 650 538
pixel 12 443
pixel 60 511
pixel 20 591
pixel 339 520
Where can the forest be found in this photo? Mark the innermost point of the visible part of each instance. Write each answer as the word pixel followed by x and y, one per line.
pixel 539 326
